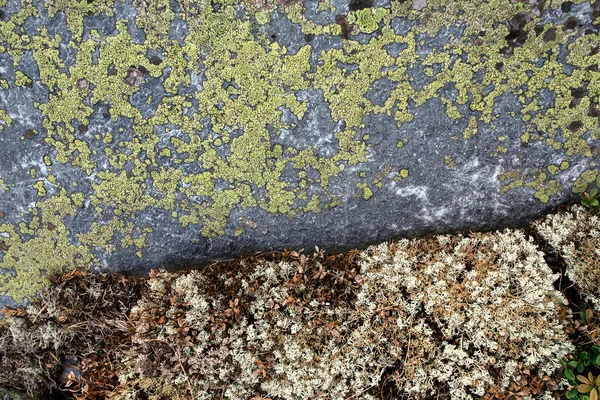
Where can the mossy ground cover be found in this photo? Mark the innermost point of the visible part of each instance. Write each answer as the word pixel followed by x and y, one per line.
pixel 483 315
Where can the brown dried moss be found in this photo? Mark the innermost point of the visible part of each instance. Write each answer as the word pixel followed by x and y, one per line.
pixel 82 316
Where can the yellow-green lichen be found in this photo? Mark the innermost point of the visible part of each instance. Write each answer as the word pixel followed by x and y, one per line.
pixel 22 80
pixel 5 120
pixel 165 152
pixel 313 205
pixel 39 185
pixel 553 169
pixel 501 150
pixel 585 180
pixel 367 19
pixel 471 128
pixel 449 161
pixel 367 193
pixel 48 249
pixel 511 180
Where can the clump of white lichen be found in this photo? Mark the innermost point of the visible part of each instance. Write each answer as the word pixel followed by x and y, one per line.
pixel 458 308
pixel 575 236
pixel 459 313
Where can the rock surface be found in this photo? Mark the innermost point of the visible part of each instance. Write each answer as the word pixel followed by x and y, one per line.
pixel 137 134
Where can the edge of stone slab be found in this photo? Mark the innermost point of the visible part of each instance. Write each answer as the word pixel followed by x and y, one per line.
pixel 176 264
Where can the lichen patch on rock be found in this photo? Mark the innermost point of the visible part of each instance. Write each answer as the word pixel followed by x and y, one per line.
pixel 134 127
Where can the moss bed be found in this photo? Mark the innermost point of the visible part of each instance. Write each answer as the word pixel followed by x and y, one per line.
pixel 483 315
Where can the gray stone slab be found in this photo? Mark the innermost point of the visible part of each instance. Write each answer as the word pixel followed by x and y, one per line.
pixel 138 135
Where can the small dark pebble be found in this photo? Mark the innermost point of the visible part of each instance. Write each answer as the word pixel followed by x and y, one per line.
pixel 3 246
pixel 519 21
pixel 522 38
pixel 309 37
pixel 134 77
pixel 595 51
pixel 593 68
pixel 512 35
pixel 571 24
pixel 29 133
pixel 273 36
pixel 360 4
pixel 538 29
pixel 594 111
pixel 2 214
pixel 155 60
pixel 106 115
pixel 595 150
pixel 83 129
pixel 70 366
pixel 342 21
pixel 550 35
pixel 574 103
pixel 51 226
pixel 507 51
pixel 566 7
pixel 578 93
pixel 143 70
pixel 499 66
pixel 575 126
pixel 1 15
pixel 112 71
pixel 82 84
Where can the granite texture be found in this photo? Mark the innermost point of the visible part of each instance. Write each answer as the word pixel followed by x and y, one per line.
pixel 137 135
